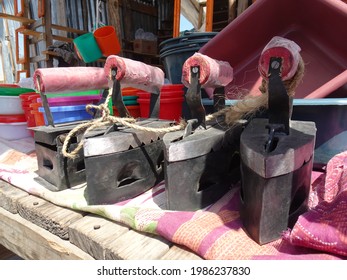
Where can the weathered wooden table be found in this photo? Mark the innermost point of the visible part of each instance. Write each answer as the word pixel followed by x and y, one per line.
pixel 34 228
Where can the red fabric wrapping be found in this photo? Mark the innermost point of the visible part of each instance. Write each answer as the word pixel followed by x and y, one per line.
pixel 284 48
pixel 132 73
pixel 69 79
pixel 213 73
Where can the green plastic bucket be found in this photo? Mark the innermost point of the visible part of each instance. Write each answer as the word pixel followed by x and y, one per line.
pixel 14 91
pixel 87 47
pixel 77 93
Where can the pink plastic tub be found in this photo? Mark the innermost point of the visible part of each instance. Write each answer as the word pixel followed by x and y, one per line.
pixel 319 27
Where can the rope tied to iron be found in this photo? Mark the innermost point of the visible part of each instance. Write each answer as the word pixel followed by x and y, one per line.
pixel 105 120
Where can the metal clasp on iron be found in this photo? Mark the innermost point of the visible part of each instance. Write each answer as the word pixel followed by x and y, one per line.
pixel 193 98
pixel 279 105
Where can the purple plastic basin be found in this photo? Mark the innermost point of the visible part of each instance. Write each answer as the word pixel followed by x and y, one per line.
pixel 319 27
pixel 71 100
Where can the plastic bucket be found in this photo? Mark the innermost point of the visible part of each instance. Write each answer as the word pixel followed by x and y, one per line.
pixel 187 38
pixel 88 47
pixel 13 127
pixel 107 40
pixel 175 51
pixel 65 114
pixel 167 91
pixel 134 111
pixel 72 100
pixel 14 91
pixel 170 108
pixel 173 61
pixel 38 116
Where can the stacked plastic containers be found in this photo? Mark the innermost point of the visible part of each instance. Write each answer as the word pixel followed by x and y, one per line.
pixel 14 119
pixel 69 107
pixel 171 102
pixel 130 96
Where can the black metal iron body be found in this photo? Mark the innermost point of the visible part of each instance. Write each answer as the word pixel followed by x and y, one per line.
pixel 56 171
pixel 123 163
pixel 275 183
pixel 201 167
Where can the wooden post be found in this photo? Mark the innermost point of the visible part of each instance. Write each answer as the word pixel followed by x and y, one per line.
pixel 177 14
pixel 114 18
pixel 232 10
pixel 48 30
pixel 209 15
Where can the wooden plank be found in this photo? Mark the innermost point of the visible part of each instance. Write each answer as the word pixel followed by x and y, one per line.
pixel 30 241
pixel 23 20
pixel 51 217
pixel 68 29
pixel 93 234
pixel 139 7
pixel 209 16
pixel 232 11
pixel 32 33
pixel 61 38
pixel 134 245
pixel 114 17
pixel 38 23
pixel 9 195
pixel 180 253
pixel 242 5
pixel 38 58
pixel 6 254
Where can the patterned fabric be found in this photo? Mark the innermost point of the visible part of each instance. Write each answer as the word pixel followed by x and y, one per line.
pixel 215 232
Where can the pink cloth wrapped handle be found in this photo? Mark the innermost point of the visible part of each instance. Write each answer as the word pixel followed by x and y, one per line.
pixel 69 79
pixel 286 49
pixel 132 73
pixel 213 73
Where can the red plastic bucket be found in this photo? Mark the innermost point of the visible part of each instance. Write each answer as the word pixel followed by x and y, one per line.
pixel 107 40
pixel 167 91
pixel 134 111
pixel 170 108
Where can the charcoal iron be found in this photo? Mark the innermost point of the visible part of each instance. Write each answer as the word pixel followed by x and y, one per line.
pixel 121 162
pixel 201 163
pixel 55 171
pixel 276 165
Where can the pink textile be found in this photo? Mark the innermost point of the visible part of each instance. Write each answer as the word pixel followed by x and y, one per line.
pixel 213 73
pixel 69 79
pixel 132 73
pixel 324 227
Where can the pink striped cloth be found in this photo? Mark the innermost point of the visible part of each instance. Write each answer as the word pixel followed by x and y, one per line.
pixel 69 79
pixel 132 73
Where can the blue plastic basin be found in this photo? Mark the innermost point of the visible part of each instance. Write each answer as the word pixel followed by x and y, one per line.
pixel 66 114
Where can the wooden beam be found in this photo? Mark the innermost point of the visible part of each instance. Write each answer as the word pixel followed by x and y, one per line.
pixel 48 29
pixel 63 39
pixel 32 33
pixel 23 20
pixel 68 29
pixel 209 15
pixel 32 242
pixel 232 10
pixel 114 18
pixel 138 7
pixel 177 14
pixel 38 23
